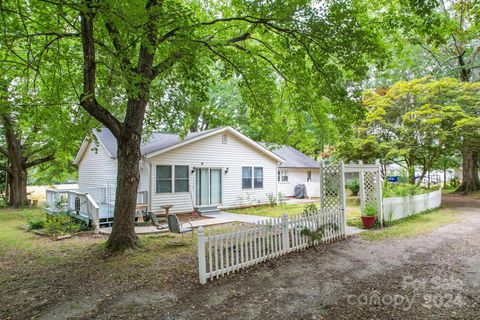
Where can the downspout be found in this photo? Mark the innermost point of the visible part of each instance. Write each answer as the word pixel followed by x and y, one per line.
pixel 150 187
pixel 276 183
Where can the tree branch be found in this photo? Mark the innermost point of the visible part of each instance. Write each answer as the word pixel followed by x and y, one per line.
pixel 36 162
pixel 115 36
pixel 88 100
pixel 166 64
pixel 234 66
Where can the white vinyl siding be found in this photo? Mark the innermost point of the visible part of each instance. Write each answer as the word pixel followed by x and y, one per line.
pixel 96 170
pixel 97 174
pixel 210 152
pixel 299 176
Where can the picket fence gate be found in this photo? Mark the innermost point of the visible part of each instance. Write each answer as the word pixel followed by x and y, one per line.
pixel 229 249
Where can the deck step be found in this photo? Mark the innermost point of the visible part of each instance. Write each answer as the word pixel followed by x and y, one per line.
pixel 207 210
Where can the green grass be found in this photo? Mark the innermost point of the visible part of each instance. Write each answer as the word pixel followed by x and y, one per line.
pixel 353 211
pixel 269 211
pixel 414 225
pixel 11 237
pixel 31 266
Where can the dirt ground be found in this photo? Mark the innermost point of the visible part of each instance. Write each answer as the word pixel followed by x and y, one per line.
pixel 431 276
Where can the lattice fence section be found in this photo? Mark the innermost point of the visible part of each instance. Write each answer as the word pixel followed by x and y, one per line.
pixel 331 186
pixel 370 188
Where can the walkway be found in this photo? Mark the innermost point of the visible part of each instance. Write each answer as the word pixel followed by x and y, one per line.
pixel 217 219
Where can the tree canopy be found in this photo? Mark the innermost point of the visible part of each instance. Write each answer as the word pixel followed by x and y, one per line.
pixel 416 123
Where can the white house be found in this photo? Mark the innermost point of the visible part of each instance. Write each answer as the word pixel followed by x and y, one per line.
pixel 206 171
pixel 297 169
pixel 216 168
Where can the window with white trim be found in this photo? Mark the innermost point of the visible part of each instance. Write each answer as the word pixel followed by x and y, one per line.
pixel 164 179
pixel 246 177
pixel 282 176
pixel 181 179
pixel 258 177
pixel 309 176
pixel 172 179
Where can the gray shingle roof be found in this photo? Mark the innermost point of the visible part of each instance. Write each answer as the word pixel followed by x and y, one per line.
pixel 157 141
pixel 293 157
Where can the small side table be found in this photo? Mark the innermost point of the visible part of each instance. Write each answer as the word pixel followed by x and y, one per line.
pixel 139 210
pixel 167 207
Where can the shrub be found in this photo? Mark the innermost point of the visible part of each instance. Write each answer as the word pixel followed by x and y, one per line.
pixel 401 190
pixel 62 223
pixel 354 186
pixel 36 224
pixel 310 209
pixel 454 182
pixel 274 199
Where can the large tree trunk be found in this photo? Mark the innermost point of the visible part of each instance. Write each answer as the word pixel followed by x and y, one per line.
pixel 17 188
pixel 128 176
pixel 470 181
pixel 17 170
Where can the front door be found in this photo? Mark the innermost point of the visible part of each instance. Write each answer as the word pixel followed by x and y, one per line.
pixel 208 187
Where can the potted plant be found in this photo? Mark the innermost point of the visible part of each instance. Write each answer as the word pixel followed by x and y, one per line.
pixel 369 215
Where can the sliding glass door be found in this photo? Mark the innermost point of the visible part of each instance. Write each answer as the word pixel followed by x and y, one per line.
pixel 208 187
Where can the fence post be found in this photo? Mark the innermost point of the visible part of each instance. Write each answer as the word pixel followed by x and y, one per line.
pixel 361 182
pixel 285 237
pixel 379 192
pixel 343 200
pixel 202 267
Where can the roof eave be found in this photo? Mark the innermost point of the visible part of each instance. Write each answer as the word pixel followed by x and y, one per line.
pixel 211 133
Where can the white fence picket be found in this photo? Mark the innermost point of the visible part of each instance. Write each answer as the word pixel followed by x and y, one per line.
pixel 226 250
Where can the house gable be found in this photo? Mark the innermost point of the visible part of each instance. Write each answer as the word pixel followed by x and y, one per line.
pixel 213 152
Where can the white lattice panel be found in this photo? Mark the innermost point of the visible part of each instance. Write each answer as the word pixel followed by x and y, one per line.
pixel 331 185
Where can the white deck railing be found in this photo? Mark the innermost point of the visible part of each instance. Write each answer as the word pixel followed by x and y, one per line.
pixel 76 203
pixel 229 249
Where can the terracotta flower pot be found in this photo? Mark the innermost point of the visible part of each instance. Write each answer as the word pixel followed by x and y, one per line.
pixel 368 221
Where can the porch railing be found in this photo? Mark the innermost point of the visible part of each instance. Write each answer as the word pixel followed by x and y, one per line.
pixel 75 203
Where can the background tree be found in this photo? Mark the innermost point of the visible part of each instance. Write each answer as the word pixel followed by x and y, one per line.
pixel 436 38
pixel 40 127
pixel 413 124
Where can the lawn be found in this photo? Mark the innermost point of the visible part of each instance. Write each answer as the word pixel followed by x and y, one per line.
pixel 36 272
pixel 353 211
pixel 414 225
pixel 271 211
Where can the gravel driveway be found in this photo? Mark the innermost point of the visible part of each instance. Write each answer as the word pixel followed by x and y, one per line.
pixel 432 276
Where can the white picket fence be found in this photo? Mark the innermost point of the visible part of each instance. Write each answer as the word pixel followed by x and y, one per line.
pixel 229 249
pixel 401 207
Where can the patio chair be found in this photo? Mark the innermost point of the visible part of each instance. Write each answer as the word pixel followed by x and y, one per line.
pixel 153 218
pixel 174 225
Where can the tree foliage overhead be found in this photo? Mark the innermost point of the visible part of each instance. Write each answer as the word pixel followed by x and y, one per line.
pixel 416 123
pixel 132 58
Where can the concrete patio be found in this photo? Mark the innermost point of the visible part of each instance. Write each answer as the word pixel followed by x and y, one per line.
pixel 216 219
